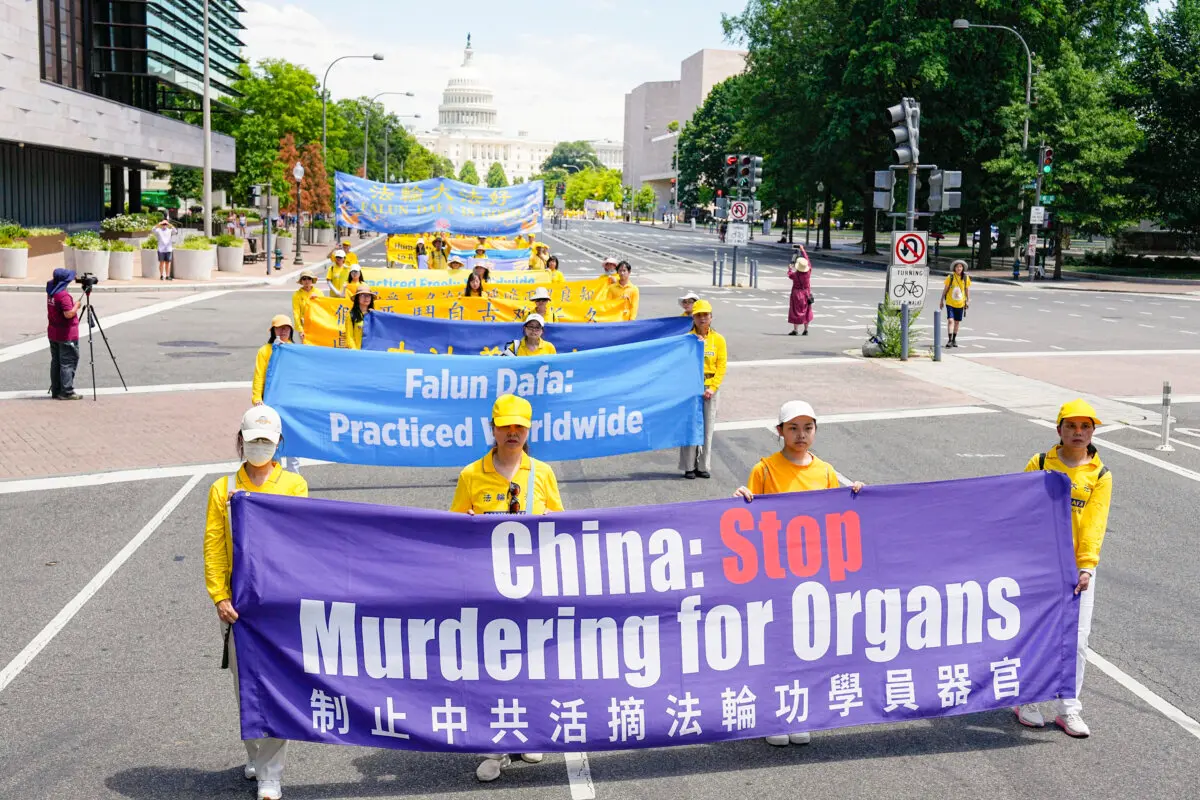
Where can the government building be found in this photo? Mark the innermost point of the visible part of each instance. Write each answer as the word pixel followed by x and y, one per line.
pixel 468 130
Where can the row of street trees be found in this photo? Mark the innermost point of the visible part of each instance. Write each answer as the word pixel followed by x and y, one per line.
pixel 1116 95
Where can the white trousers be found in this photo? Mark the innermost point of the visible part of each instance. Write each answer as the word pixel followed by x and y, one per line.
pixel 699 457
pixel 267 756
pixel 1087 601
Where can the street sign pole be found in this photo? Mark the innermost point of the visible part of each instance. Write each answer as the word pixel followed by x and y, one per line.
pixel 1033 226
pixel 910 217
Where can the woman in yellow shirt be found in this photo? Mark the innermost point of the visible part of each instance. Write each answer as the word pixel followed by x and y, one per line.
pixel 257 440
pixel 507 480
pixel 302 297
pixel 354 280
pixel 795 468
pixel 532 343
pixel 364 303
pixel 625 288
pixel 439 254
pixel 537 259
pixel 556 276
pixel 956 299
pixel 696 461
pixel 281 330
pixel 1091 495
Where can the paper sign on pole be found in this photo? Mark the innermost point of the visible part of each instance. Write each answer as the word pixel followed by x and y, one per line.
pixel 1037 215
pixel 737 234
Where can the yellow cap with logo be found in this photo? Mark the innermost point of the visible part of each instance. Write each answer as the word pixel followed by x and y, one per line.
pixel 1077 408
pixel 701 307
pixel 512 410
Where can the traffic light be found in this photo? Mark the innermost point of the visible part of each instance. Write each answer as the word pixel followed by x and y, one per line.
pixel 722 207
pixel 756 172
pixel 731 170
pixel 745 171
pixel 560 189
pixel 1047 159
pixel 906 117
pixel 885 182
pixel 941 181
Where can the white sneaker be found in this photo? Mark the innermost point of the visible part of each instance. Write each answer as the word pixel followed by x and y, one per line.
pixel 489 769
pixel 799 738
pixel 1073 725
pixel 779 740
pixel 269 790
pixel 1030 715
pixel 249 772
pixel 532 758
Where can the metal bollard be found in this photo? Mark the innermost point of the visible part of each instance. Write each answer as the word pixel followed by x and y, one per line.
pixel 937 334
pixel 714 280
pixel 1165 445
pixel 879 320
pixel 904 332
pixel 733 272
pixel 721 272
pixel 754 273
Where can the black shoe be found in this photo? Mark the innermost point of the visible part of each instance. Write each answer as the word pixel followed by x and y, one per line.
pixel 690 474
pixel 804 334
pixel 702 474
pixel 71 396
pixel 793 333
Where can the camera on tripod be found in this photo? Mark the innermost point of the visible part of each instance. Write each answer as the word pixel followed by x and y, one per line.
pixel 87 280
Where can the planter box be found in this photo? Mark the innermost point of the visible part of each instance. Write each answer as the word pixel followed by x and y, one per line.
pixel 68 257
pixel 127 235
pixel 229 259
pixel 323 235
pixel 93 261
pixel 45 245
pixel 194 265
pixel 149 264
pixel 14 262
pixel 120 265
pixel 285 243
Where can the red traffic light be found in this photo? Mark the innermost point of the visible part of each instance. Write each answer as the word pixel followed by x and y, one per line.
pixel 746 160
pixel 720 193
pixel 672 181
pixel 731 160
pixel 1048 156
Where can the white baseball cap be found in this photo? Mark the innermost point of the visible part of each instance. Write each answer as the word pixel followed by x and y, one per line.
pixel 689 296
pixel 541 293
pixel 796 408
pixel 262 422
pixel 339 253
pixel 611 260
pixel 538 318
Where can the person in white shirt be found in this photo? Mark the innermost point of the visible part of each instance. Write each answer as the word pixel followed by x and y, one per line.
pixel 164 233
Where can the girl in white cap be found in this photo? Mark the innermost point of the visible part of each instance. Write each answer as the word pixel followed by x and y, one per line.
pixel 364 303
pixel 532 343
pixel 686 302
pixel 793 469
pixel 1091 494
pixel 257 440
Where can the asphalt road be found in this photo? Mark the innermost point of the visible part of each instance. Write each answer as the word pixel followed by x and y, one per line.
pixel 127 700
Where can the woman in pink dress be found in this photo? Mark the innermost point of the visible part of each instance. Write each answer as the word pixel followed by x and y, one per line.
pixel 800 305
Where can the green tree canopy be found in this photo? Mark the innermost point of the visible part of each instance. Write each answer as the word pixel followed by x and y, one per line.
pixel 579 153
pixel 593 184
pixel 468 174
pixel 706 139
pixel 495 176
pixel 644 200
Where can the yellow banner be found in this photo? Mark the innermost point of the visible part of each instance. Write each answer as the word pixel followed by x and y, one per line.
pixel 430 284
pixel 402 249
pixel 326 319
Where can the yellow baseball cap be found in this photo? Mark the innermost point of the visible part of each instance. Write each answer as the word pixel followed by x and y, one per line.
pixel 1077 408
pixel 281 319
pixel 512 410
pixel 701 307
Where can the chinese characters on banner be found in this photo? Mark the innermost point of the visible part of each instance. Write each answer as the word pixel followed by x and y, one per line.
pixel 651 626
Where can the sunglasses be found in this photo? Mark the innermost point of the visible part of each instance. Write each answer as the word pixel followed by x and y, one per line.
pixel 514 498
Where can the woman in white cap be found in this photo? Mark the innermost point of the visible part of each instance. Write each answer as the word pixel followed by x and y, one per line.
pixel 541 305
pixel 696 460
pixel 1091 495
pixel 281 331
pixel 354 280
pixel 422 256
pixel 302 297
pixel 956 299
pixel 257 440
pixel 531 343
pixel 455 265
pixel 610 269
pixel 440 253
pixel 686 302
pixel 364 303
pixel 507 480
pixel 800 310
pixel 795 468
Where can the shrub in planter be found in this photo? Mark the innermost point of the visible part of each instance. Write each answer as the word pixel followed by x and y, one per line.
pixel 128 223
pixel 193 259
pixel 149 256
pixel 14 258
pixel 120 260
pixel 90 254
pixel 229 253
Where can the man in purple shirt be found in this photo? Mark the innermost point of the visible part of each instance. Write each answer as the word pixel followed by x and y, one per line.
pixel 63 332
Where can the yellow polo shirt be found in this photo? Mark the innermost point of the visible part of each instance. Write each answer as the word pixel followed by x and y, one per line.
pixel 715 355
pixel 481 489
pixel 557 278
pixel 300 301
pixel 261 360
pixel 218 538
pixel 632 295
pixel 544 348
pixel 776 475
pixel 1091 496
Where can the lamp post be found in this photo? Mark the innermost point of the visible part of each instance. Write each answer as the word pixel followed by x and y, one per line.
pixel 962 25
pixel 367 123
pixel 807 227
pixel 206 113
pixel 298 174
pixel 325 99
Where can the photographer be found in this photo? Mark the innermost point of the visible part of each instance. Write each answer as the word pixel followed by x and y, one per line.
pixel 63 332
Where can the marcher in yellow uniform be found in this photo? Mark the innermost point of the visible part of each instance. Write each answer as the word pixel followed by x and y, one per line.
pixel 351 256
pixel 281 330
pixel 455 265
pixel 624 288
pixel 302 297
pixel 507 480
pixel 532 343
pixel 439 254
pixel 364 303
pixel 537 259
pixel 541 305
pixel 257 442
pixel 696 461
pixel 686 302
pixel 556 276
pixel 354 281
pixel 956 298
pixel 795 468
pixel 1091 495
pixel 481 258
pixel 610 269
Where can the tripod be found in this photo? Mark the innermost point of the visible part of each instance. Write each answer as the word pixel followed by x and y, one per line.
pixel 93 321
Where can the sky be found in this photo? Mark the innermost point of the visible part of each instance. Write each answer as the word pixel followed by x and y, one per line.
pixel 559 70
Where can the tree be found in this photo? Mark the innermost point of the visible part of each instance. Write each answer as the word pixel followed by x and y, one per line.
pixel 645 200
pixel 468 174
pixel 592 184
pixel 287 157
pixel 496 177
pixel 579 153
pixel 316 196
pixel 185 183
pixel 705 141
pixel 518 180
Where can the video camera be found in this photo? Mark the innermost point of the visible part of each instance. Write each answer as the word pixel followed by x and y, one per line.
pixel 87 280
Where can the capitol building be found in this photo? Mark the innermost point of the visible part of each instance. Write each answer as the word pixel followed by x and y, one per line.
pixel 468 130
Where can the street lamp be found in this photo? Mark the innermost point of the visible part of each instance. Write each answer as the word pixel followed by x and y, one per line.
pixel 367 123
pixel 962 25
pixel 325 98
pixel 807 227
pixel 206 114
pixel 298 174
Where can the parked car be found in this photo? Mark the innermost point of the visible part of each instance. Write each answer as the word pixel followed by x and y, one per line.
pixel 995 235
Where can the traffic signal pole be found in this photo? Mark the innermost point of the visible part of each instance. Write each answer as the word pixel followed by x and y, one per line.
pixel 1037 200
pixel 910 216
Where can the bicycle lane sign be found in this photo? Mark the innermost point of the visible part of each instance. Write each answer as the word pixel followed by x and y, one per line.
pixel 907 285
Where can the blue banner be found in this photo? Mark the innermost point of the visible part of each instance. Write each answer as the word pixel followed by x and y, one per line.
pixel 497 255
pixel 384 330
pixel 438 204
pixel 651 626
pixel 410 410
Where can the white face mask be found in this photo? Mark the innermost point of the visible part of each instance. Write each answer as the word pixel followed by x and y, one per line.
pixel 258 453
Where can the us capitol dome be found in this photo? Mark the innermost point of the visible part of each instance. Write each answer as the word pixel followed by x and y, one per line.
pixel 468 105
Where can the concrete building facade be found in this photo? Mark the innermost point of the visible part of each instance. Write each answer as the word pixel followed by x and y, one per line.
pixel 85 87
pixel 652 106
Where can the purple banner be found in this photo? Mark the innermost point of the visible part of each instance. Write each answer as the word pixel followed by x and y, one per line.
pixel 651 626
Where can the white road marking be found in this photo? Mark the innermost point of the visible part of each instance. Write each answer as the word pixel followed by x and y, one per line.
pixel 1182 472
pixel 1144 693
pixel 1156 399
pixel 862 416
pixel 1158 435
pixel 579 775
pixel 36 345
pixel 791 362
pixel 47 634
pixel 34 394
pixel 1045 353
